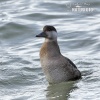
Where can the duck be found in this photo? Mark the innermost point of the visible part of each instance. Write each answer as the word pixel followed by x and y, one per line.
pixel 56 67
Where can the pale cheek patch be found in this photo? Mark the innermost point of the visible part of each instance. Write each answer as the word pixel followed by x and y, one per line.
pixel 52 34
pixel 49 34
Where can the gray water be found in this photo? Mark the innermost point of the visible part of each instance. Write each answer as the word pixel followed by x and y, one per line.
pixel 21 76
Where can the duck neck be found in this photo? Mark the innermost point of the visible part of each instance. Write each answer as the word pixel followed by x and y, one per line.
pixel 50 48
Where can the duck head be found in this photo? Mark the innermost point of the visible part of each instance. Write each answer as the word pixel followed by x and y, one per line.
pixel 49 32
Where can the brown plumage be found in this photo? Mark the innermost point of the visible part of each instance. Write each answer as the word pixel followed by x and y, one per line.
pixel 56 67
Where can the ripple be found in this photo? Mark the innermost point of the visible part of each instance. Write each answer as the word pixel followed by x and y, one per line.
pixel 78 35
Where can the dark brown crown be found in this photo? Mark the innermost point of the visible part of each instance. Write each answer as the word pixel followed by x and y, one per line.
pixel 49 28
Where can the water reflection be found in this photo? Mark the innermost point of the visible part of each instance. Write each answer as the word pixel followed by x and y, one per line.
pixel 60 91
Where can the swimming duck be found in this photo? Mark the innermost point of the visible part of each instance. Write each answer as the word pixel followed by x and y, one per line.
pixel 56 67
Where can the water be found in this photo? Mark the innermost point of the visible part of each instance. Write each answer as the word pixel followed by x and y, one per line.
pixel 21 76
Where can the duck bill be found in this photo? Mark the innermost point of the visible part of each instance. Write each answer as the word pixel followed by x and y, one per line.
pixel 43 34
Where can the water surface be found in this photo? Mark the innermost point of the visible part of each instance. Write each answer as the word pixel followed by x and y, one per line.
pixel 21 76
